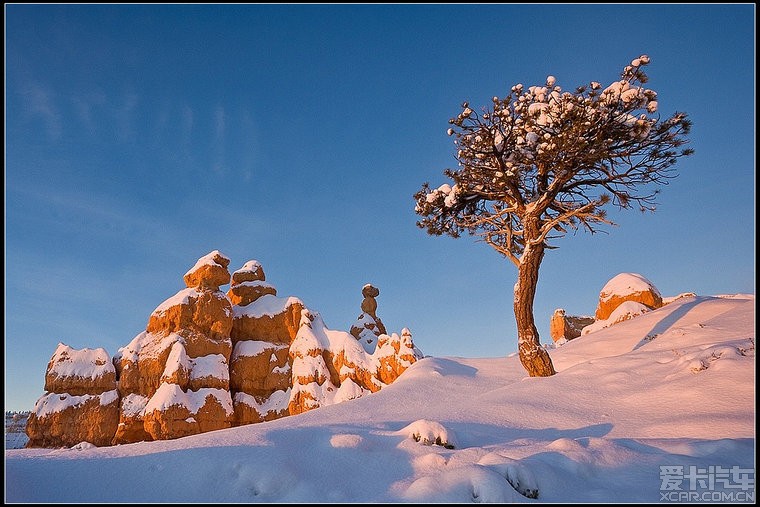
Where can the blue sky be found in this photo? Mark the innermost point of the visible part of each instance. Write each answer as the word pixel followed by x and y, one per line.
pixel 140 138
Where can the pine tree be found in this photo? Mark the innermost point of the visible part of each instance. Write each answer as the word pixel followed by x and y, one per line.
pixel 542 161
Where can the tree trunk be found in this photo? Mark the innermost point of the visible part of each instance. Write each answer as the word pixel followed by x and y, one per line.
pixel 533 356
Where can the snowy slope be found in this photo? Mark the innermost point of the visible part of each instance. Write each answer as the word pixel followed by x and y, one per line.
pixel 672 387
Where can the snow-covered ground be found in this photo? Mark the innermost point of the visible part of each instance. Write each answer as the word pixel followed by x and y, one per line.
pixel 15 430
pixel 658 408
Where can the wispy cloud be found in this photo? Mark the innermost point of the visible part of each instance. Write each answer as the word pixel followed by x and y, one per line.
pixel 248 146
pixel 220 127
pixel 125 117
pixel 187 124
pixel 101 217
pixel 40 103
pixel 85 106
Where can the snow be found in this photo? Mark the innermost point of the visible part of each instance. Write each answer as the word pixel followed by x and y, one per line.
pixel 253 348
pixel 52 403
pixel 674 387
pixel 146 345
pixel 267 305
pixel 209 259
pixel 15 429
pixel 625 284
pixel 250 266
pixel 277 402
pixel 85 363
pixel 133 405
pixel 625 310
pixel 212 365
pixel 255 283
pixel 176 361
pixel 169 395
pixel 180 298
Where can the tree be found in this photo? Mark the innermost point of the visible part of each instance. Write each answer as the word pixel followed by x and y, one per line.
pixel 540 162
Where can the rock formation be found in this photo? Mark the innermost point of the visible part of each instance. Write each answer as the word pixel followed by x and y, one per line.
pixel 209 360
pixel 263 328
pixel 81 402
pixel 174 376
pixel 567 326
pixel 624 297
pixel 331 366
pixel 368 326
pixel 627 287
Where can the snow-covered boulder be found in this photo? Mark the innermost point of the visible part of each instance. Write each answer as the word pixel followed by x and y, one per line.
pixel 78 372
pixel 567 326
pixel 81 402
pixel 627 287
pixel 209 272
pixel 249 284
pixel 203 317
pixel 64 420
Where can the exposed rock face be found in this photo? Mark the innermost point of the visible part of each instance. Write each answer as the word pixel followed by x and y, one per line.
pixel 627 287
pixel 209 360
pixel 567 326
pixel 81 402
pixel 368 326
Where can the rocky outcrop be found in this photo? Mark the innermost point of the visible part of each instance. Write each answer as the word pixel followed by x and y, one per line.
pixel 262 330
pixel 395 354
pixel 81 402
pixel 209 360
pixel 331 366
pixel 185 349
pixel 566 326
pixel 368 326
pixel 627 287
pixel 249 284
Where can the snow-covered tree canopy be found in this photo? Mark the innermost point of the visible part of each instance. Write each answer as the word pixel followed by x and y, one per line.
pixel 542 160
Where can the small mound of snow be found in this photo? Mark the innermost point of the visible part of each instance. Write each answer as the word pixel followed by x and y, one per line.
pixel 519 476
pixel 430 433
pixel 345 440
pixel 466 484
pixel 81 446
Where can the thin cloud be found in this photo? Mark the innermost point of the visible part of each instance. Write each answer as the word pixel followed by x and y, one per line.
pixel 85 107
pixel 187 124
pixel 248 146
pixel 220 127
pixel 40 103
pixel 125 118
